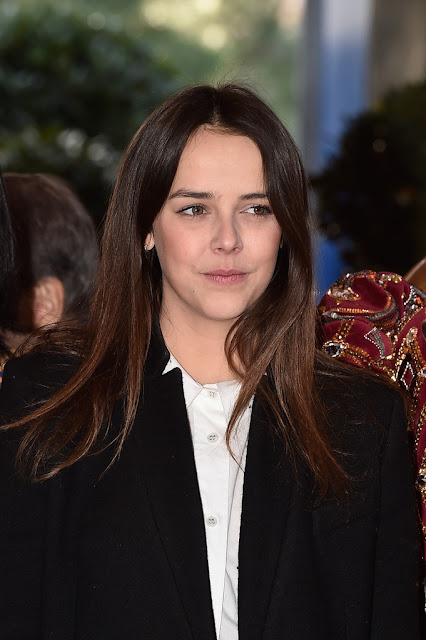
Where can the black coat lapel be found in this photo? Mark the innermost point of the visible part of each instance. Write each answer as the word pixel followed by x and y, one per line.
pixel 266 502
pixel 172 486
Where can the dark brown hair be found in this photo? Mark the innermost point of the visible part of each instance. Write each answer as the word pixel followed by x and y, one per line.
pixel 53 235
pixel 276 335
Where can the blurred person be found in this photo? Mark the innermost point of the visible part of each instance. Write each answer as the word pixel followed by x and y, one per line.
pixel 192 466
pixel 55 255
pixel 376 320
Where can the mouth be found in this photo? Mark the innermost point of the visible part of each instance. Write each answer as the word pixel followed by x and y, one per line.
pixel 224 276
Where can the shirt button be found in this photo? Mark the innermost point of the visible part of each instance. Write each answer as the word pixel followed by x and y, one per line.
pixel 212 437
pixel 212 394
pixel 211 521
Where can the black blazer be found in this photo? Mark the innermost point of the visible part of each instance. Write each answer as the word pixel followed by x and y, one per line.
pixel 122 556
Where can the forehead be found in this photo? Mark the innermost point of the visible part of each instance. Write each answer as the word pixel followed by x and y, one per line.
pixel 214 152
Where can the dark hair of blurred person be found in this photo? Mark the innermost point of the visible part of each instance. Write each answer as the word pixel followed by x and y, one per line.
pixel 55 256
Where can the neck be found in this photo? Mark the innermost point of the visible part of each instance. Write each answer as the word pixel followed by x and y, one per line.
pixel 200 350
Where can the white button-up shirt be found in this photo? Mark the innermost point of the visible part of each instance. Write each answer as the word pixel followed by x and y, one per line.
pixel 220 480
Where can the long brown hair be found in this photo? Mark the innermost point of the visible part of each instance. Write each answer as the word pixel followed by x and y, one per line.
pixel 276 335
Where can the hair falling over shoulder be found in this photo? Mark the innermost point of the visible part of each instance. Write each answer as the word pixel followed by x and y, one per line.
pixel 276 335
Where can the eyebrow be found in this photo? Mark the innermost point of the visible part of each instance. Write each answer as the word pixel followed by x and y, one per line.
pixel 187 193
pixel 207 195
pixel 254 196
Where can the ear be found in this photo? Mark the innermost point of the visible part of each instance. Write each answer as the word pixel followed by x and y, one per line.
pixel 149 241
pixel 48 298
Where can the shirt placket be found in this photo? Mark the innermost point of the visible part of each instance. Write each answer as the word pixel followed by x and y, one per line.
pixel 212 460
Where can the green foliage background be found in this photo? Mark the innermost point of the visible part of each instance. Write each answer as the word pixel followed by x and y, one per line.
pixel 72 96
pixel 374 189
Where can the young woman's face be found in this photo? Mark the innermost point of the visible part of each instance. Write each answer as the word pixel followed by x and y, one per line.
pixel 216 237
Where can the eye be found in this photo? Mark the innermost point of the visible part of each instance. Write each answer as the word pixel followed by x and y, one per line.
pixel 193 210
pixel 259 210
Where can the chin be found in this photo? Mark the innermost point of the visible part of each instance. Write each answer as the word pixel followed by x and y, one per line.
pixel 224 315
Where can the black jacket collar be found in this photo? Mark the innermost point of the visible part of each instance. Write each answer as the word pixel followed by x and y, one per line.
pixel 158 354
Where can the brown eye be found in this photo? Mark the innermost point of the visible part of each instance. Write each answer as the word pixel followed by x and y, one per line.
pixel 196 210
pixel 259 210
pixel 193 210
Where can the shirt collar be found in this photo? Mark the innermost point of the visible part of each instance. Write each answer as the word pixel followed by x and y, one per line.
pixel 228 390
pixel 191 388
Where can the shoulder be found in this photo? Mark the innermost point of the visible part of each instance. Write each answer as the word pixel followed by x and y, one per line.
pixel 43 363
pixel 31 379
pixel 359 395
pixel 366 419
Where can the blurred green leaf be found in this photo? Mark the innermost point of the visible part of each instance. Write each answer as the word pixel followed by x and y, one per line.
pixel 72 95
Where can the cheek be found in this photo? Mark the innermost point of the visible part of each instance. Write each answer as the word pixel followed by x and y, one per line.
pixel 174 250
pixel 268 247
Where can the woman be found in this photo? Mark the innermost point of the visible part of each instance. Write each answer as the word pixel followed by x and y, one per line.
pixel 203 473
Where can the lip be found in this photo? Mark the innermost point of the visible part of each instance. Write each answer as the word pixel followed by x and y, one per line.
pixel 226 276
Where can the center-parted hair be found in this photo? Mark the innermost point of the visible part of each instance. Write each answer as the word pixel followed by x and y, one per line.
pixel 275 335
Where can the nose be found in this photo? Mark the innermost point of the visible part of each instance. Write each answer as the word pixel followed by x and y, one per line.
pixel 226 235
